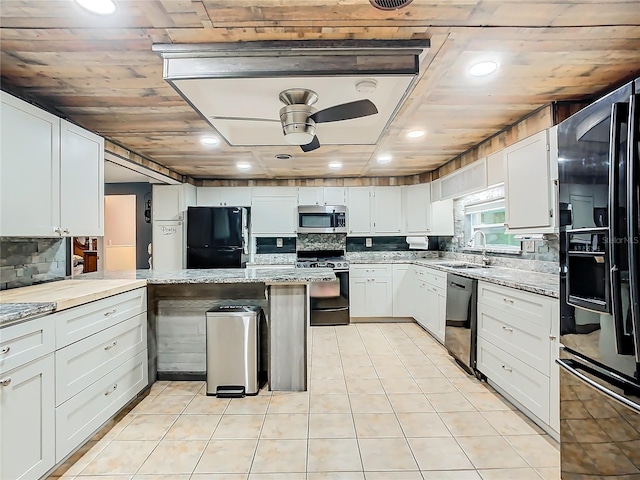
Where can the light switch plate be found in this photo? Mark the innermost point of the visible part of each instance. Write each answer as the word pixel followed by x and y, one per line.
pixel 368 242
pixel 279 242
pixel 529 246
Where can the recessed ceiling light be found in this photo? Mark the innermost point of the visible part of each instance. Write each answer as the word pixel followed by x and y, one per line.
pixel 483 68
pixel 209 140
pixel 384 158
pixel 243 166
pixel 415 134
pixel 283 156
pixel 335 165
pixel 101 7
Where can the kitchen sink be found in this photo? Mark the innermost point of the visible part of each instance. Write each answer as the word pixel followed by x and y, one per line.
pixel 462 266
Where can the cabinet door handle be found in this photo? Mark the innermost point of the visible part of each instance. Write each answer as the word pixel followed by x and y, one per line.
pixel 507 329
pixel 507 300
pixel 6 382
pixel 111 390
pixel 66 230
pixel 5 350
pixel 110 346
pixel 508 369
pixel 110 312
pixel 57 230
pixel 552 337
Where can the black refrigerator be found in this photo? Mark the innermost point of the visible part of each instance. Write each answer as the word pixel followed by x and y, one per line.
pixel 598 151
pixel 217 237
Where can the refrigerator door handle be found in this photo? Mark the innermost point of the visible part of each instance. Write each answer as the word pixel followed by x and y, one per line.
pixel 618 117
pixel 572 366
pixel 633 198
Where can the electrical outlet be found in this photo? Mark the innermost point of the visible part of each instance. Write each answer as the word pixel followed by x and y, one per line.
pixel 529 246
pixel 279 242
pixel 368 242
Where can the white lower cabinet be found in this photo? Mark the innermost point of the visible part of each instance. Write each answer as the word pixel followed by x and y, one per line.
pixel 404 290
pixel 517 346
pixel 431 300
pixel 371 290
pixel 51 401
pixel 79 364
pixel 82 415
pixel 27 431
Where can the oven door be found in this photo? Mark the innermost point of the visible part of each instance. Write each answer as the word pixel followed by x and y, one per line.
pixel 330 301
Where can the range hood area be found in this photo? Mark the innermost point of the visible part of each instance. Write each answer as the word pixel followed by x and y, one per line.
pixel 236 87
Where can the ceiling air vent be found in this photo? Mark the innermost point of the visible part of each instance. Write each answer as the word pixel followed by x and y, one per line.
pixel 390 4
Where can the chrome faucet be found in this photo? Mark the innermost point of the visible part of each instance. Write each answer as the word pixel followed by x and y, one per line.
pixel 485 258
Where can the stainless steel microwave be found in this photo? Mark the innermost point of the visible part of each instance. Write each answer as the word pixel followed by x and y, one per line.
pixel 322 219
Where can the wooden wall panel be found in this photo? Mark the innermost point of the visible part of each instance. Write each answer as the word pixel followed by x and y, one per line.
pixel 101 73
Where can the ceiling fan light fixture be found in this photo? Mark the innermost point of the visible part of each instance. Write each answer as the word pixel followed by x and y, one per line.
pixel 101 7
pixel 482 69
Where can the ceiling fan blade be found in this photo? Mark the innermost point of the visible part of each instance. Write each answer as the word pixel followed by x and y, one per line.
pixel 250 119
pixel 313 145
pixel 345 111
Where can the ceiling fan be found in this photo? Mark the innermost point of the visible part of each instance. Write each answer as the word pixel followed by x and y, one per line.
pixel 299 118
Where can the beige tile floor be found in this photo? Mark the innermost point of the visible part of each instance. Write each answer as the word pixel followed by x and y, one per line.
pixel 385 402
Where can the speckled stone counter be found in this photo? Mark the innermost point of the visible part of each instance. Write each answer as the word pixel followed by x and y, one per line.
pixel 12 312
pixel 535 282
pixel 286 276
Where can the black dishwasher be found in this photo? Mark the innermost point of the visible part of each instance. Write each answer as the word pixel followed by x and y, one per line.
pixel 461 321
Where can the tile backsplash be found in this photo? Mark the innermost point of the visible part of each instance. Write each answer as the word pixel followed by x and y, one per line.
pixel 322 241
pixel 28 261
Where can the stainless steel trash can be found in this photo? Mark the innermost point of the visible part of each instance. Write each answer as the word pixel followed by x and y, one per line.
pixel 233 350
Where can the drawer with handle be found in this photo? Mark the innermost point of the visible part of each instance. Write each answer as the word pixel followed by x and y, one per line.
pixel 23 342
pixel 431 276
pixel 370 270
pixel 528 306
pixel 525 384
pixel 84 413
pixel 528 341
pixel 80 322
pixel 79 365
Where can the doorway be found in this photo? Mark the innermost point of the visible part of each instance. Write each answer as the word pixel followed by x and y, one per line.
pixel 119 232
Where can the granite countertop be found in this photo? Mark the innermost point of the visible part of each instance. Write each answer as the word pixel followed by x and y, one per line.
pixel 11 312
pixel 535 282
pixel 224 275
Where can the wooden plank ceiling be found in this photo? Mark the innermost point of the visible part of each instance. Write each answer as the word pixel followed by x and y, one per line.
pixel 100 72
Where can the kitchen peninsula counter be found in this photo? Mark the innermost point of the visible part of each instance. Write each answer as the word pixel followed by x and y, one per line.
pixel 268 276
pixel 179 299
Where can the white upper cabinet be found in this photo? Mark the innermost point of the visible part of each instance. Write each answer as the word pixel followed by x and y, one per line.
pixel 52 174
pixel 417 208
pixel 224 196
pixel 529 186
pixel 29 170
pixel 442 218
pixel 387 210
pixel 81 181
pixel 274 216
pixel 169 202
pixel 334 196
pixel 359 210
pixel 495 168
pixel 374 211
pixel 321 196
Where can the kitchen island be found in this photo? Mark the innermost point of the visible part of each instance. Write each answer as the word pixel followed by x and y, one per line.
pixel 178 300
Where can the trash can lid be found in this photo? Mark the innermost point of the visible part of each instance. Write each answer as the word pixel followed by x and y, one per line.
pixel 235 309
